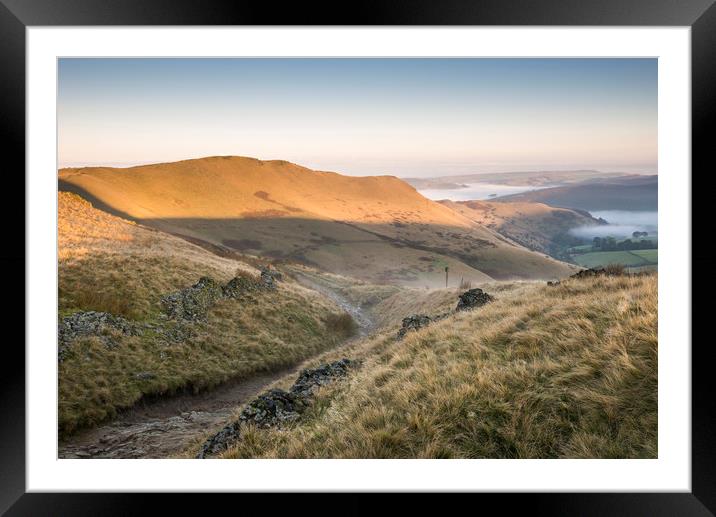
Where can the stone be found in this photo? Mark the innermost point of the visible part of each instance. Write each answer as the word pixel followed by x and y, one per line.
pixel 92 323
pixel 144 376
pixel 473 299
pixel 192 303
pixel 600 271
pixel 275 407
pixel 269 277
pixel 221 440
pixel 240 285
pixel 414 323
pixel 310 379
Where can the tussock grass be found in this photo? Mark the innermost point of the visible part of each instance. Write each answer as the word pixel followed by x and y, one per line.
pixel 542 372
pixel 341 324
pixel 615 269
pixel 107 264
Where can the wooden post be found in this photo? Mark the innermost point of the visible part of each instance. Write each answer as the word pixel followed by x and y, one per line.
pixel 446 277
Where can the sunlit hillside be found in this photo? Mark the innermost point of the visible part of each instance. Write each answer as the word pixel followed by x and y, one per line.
pixel 375 228
pixel 542 372
pixel 111 266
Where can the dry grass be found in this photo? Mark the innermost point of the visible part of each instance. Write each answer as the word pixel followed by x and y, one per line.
pixel 114 266
pixel 534 225
pixel 543 372
pixel 378 228
pixel 341 324
pixel 615 269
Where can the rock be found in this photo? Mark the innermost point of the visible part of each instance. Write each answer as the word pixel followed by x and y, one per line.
pixel 472 299
pixel 192 303
pixel 176 332
pixel 221 440
pixel 553 284
pixel 275 407
pixel 269 277
pixel 92 323
pixel 239 285
pixel 587 273
pixel 614 270
pixel 310 379
pixel 144 376
pixel 414 323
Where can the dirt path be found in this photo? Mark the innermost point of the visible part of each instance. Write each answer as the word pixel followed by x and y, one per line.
pixel 163 427
pixel 365 324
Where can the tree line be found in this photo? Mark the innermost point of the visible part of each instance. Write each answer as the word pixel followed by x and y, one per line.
pixel 611 244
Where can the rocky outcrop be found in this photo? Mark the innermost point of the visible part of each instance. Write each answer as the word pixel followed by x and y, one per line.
pixel 599 271
pixel 275 407
pixel 184 307
pixel 414 323
pixel 239 285
pixel 91 323
pixel 192 303
pixel 219 442
pixel 269 277
pixel 473 299
pixel 310 379
pixel 466 301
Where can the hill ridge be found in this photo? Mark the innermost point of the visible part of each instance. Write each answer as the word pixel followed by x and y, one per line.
pixel 284 211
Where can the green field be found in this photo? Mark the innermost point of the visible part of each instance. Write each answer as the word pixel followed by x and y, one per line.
pixel 626 258
pixel 648 255
pixel 586 248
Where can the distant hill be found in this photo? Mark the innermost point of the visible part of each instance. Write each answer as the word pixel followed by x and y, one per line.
pixel 536 226
pixel 530 178
pixel 374 228
pixel 624 193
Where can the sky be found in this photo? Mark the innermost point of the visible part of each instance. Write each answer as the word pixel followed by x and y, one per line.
pixel 404 117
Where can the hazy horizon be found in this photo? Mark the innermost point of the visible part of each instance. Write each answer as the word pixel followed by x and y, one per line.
pixel 363 116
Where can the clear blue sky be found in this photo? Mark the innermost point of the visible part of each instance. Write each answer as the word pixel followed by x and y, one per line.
pixel 407 117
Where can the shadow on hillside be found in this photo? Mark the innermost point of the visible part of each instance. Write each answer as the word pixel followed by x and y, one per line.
pixel 397 251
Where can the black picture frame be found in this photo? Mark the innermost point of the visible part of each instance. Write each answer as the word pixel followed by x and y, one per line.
pixel 17 15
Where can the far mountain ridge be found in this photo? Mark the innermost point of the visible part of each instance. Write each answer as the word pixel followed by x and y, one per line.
pixel 519 178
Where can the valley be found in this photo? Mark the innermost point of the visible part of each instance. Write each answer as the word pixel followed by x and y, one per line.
pixel 197 292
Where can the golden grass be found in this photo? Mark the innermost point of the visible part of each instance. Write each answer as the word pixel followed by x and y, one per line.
pixel 542 372
pixel 379 228
pixel 114 266
pixel 341 324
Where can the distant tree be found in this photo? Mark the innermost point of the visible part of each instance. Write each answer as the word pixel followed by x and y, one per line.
pixel 597 243
pixel 626 244
pixel 609 244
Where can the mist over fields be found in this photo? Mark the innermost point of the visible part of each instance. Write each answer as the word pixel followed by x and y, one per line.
pixel 622 223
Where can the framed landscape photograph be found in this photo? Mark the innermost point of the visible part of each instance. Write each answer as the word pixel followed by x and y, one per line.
pixel 440 250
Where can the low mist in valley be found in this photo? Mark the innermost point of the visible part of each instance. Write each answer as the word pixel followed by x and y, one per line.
pixel 621 223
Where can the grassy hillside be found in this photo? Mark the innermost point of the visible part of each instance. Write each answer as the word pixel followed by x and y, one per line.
pixel 375 228
pixel 625 193
pixel 536 226
pixel 111 265
pixel 542 372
